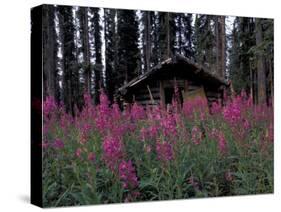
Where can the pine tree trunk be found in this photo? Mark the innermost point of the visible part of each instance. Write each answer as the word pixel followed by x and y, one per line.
pixel 180 42
pixel 49 39
pixel 147 40
pixel 68 56
pixel 260 64
pixel 220 45
pixel 168 35
pixel 110 52
pixel 86 48
pixel 98 55
pixel 223 47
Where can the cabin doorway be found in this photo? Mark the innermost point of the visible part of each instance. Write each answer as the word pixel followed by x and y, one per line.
pixel 170 93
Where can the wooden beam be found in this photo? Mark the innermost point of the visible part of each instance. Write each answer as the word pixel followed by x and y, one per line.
pixel 147 96
pixel 186 86
pixel 162 93
pixel 148 102
pixel 151 97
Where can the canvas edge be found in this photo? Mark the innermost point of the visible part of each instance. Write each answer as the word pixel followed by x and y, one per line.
pixel 36 106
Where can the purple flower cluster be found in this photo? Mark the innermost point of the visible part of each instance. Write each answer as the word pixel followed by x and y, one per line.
pixel 116 113
pixel 216 108
pixel 137 112
pixel 58 144
pixel 78 152
pixel 89 110
pixel 149 133
pixel 112 151
pixel 103 113
pixel 49 106
pixel 196 135
pixel 232 112
pixel 91 156
pixel 222 145
pixel 221 141
pixel 127 175
pixel 84 133
pixel 164 151
pixel 196 105
pixel 169 125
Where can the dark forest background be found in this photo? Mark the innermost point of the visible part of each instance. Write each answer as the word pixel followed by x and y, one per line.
pixel 86 49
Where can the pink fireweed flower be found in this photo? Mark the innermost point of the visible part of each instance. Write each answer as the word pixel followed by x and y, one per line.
pixel 147 149
pixel 143 134
pixel 202 116
pixel 112 151
pixel 249 102
pixel 232 112
pixel 196 105
pixel 91 156
pixel 164 151
pixel 137 112
pixel 85 130
pixel 246 124
pixel 87 99
pixel 119 129
pixel 78 152
pixel 127 175
pixel 49 106
pixel 116 113
pixel 214 133
pixel 222 145
pixel 220 138
pixel 88 109
pixel 154 113
pixel 169 125
pixel 83 139
pixel 216 108
pixel 104 99
pixel 66 120
pixel 187 109
pixel 196 135
pixel 153 131
pixel 58 144
pixel 149 133
pixel 176 102
pixel 103 113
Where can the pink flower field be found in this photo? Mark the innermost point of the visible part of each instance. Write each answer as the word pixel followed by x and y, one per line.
pixel 105 155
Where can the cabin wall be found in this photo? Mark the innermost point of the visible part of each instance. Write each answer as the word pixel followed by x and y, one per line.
pixel 147 94
pixel 185 86
pixel 214 95
pixel 153 92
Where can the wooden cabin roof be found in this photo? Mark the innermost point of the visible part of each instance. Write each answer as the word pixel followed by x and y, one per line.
pixel 179 67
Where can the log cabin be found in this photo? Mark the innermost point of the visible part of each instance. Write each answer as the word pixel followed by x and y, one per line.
pixel 157 85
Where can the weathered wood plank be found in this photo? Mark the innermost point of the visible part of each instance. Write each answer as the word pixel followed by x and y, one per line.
pixel 144 90
pixel 148 102
pixel 146 97
pixel 162 93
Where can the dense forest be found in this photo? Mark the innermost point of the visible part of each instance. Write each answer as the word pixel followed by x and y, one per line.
pixel 86 49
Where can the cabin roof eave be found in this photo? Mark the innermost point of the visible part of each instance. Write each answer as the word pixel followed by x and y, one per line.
pixel 199 69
